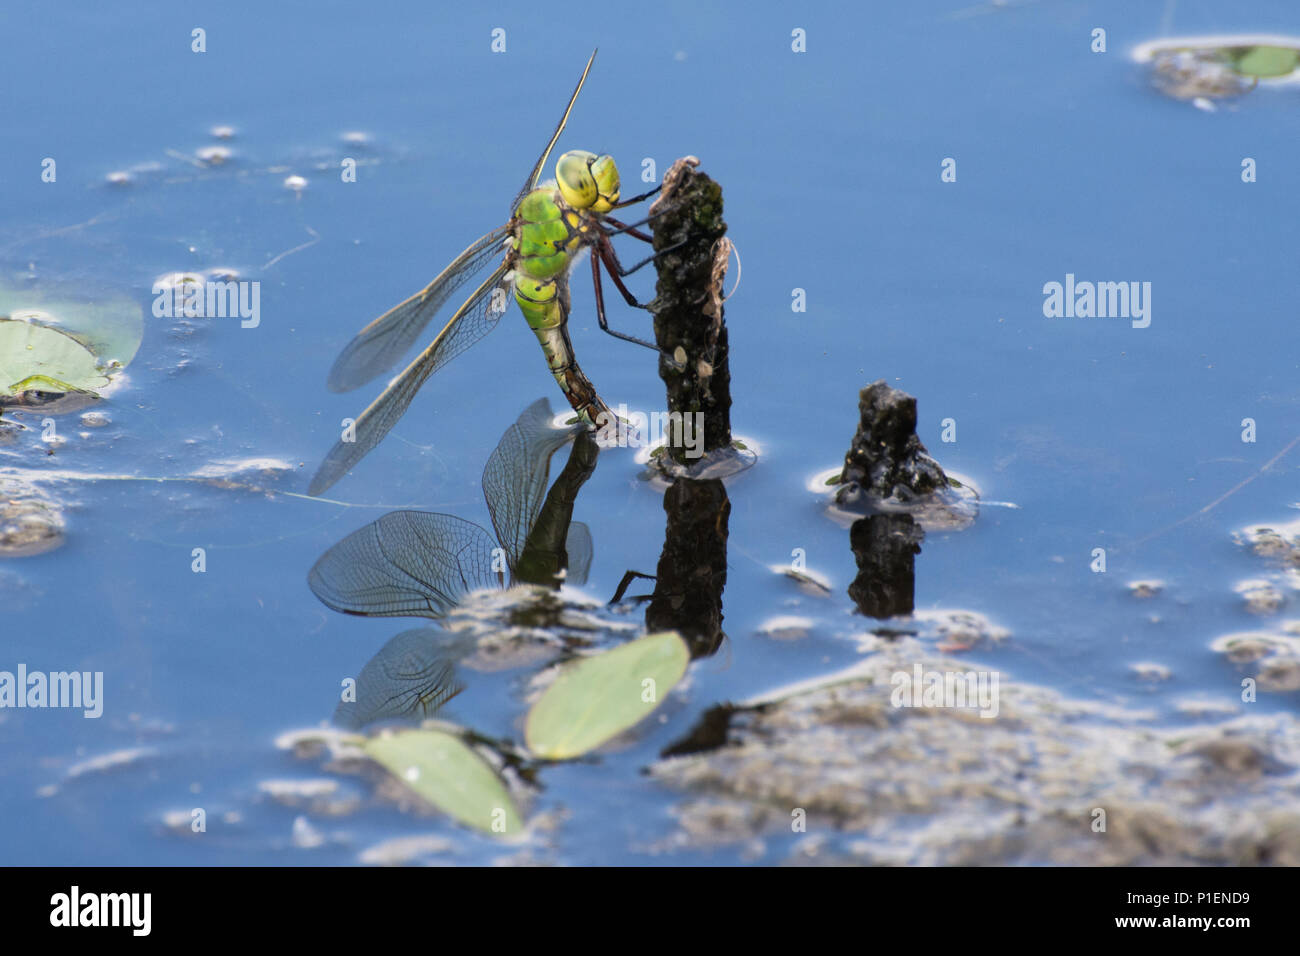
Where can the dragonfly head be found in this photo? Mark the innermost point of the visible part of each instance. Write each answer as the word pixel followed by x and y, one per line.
pixel 587 181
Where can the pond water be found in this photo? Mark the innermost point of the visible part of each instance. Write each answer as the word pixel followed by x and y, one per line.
pixel 1081 433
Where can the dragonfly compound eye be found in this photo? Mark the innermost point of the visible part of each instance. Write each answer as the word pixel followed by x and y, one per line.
pixel 605 173
pixel 574 177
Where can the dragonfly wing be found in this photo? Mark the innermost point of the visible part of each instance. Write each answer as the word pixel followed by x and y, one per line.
pixel 536 174
pixel 380 344
pixel 474 319
pixel 515 476
pixel 580 550
pixel 405 564
pixel 412 676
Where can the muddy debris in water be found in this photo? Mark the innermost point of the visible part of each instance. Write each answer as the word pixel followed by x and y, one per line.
pixel 1272 658
pixel 1146 590
pixel 885 784
pixel 319 796
pixel 1260 597
pixel 407 850
pixel 527 625
pixel 1276 543
pixel 786 627
pixel 950 630
pixel 1151 672
pixel 30 522
pixel 812 583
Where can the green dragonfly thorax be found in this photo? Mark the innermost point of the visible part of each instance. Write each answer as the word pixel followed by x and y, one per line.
pixel 553 220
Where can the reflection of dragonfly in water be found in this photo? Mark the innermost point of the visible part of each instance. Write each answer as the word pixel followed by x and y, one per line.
pixel 422 564
pixel 549 226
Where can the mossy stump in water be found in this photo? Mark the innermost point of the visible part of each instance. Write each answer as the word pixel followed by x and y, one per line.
pixel 687 308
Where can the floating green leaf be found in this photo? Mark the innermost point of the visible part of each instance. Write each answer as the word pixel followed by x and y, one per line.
pixel 443 770
pixel 61 343
pixel 46 359
pixel 1264 61
pixel 597 698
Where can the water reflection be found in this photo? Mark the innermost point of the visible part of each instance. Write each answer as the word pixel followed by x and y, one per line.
pixel 885 547
pixel 692 570
pixel 423 564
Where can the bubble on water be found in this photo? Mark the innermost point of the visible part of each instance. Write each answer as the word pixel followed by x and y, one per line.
pixel 214 155
pixel 296 183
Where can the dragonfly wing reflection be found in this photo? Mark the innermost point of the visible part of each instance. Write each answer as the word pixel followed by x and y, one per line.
pixel 407 563
pixel 412 676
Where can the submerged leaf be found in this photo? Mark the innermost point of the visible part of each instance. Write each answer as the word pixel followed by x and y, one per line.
pixel 37 357
pixel 443 770
pixel 52 344
pixel 597 698
pixel 1264 61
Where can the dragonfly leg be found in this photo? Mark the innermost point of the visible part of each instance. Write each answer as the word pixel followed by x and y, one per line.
pixel 616 267
pixel 600 304
pixel 636 199
pixel 629 230
pixel 628 578
pixel 629 227
pixel 597 258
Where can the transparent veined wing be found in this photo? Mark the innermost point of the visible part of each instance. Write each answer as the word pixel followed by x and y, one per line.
pixel 405 564
pixel 540 165
pixel 578 545
pixel 413 675
pixel 474 319
pixel 378 346
pixel 516 473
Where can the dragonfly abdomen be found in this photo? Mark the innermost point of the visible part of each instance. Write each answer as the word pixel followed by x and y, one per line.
pixel 569 376
pixel 545 305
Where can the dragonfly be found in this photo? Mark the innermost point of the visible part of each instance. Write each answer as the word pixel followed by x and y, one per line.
pixel 536 249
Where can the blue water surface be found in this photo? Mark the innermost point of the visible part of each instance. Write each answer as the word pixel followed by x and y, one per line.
pixel 1102 435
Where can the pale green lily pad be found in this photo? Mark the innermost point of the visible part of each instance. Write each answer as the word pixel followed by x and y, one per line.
pixel 444 771
pixel 46 359
pixel 53 344
pixel 1264 61
pixel 596 698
